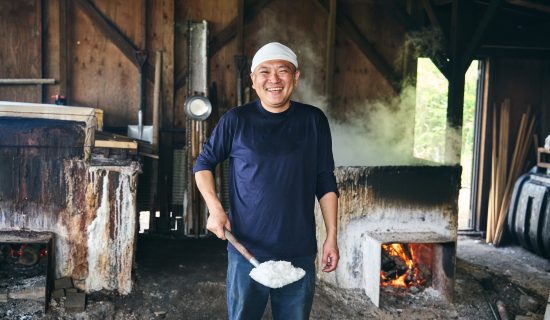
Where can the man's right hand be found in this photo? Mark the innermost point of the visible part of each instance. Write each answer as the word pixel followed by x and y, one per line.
pixel 217 222
pixel 217 219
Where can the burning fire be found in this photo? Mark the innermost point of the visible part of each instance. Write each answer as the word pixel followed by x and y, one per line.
pixel 398 277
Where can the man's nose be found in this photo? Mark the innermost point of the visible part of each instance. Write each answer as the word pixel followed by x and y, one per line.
pixel 274 77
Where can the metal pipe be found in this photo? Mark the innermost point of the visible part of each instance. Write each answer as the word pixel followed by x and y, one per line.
pixel 27 81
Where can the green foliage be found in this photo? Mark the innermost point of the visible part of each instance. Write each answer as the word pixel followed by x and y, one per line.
pixel 431 114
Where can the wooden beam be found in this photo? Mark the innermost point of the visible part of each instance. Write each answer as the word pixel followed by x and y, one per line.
pixel 530 5
pixel 331 35
pixel 475 41
pixel 366 47
pixel 43 11
pixel 240 27
pixel 434 20
pixel 401 16
pixel 109 29
pixel 251 10
pixel 63 48
pixel 455 100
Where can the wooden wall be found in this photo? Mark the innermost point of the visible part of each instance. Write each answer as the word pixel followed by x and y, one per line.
pixel 20 48
pixel 525 83
pixel 61 39
pixel 98 74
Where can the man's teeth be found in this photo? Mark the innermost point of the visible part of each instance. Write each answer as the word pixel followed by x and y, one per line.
pixel 274 89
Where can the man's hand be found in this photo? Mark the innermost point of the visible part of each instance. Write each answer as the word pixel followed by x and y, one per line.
pixel 331 255
pixel 217 222
pixel 217 219
pixel 329 208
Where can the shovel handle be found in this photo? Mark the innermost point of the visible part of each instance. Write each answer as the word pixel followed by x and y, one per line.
pixel 248 256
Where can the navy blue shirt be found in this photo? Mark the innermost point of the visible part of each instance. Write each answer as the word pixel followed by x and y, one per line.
pixel 279 162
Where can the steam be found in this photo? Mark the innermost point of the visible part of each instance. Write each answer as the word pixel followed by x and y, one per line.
pixel 373 133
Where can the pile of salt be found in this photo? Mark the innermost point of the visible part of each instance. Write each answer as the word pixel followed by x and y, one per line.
pixel 276 274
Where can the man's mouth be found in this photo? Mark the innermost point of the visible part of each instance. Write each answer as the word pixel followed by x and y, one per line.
pixel 274 89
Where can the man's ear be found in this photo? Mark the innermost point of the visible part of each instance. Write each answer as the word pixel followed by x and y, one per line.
pixel 296 76
pixel 252 79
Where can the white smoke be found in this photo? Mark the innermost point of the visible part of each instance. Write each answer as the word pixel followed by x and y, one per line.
pixel 374 132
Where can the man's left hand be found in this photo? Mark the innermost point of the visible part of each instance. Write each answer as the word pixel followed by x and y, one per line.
pixel 331 255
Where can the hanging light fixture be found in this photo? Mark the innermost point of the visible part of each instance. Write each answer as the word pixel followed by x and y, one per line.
pixel 198 107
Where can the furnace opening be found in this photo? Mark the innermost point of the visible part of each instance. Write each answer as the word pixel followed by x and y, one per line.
pixel 406 265
pixel 25 271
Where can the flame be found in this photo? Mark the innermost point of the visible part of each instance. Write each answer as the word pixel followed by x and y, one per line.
pixel 412 275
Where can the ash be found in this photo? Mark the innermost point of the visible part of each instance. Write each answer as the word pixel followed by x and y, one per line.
pixel 179 278
pixel 21 310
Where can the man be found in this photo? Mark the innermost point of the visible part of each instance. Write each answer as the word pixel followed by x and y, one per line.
pixel 280 155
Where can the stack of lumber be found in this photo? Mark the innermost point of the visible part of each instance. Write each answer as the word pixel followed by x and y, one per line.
pixel 505 167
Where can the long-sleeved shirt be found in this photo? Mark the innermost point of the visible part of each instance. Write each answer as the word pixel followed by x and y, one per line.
pixel 279 162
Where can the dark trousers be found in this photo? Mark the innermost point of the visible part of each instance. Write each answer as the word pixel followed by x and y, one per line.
pixel 247 299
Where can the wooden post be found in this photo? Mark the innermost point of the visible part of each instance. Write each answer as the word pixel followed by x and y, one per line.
pixel 455 101
pixel 331 35
pixel 164 24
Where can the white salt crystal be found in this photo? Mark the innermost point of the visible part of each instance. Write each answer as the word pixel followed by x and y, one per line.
pixel 276 274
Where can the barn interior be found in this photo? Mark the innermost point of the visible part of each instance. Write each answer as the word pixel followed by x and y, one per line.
pixel 444 207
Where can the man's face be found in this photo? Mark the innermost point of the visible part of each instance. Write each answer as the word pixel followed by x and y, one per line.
pixel 274 82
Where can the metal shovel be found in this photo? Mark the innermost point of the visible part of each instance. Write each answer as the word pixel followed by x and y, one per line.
pixel 140 131
pixel 272 274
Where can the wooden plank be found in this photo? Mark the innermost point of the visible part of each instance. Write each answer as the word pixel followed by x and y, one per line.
pixel 115 144
pixel 483 185
pixel 45 111
pixel 475 41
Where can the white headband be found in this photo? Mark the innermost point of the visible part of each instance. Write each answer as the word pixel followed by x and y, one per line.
pixel 273 51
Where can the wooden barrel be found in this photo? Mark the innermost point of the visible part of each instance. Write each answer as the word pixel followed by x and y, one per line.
pixel 529 212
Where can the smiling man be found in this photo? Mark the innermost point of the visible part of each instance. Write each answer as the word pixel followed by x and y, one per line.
pixel 280 154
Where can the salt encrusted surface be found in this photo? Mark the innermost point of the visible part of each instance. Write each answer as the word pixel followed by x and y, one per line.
pixel 277 274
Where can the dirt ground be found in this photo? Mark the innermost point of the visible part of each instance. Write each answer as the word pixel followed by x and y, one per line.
pixel 185 279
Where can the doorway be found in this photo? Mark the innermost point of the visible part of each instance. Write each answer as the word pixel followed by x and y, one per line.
pixel 430 125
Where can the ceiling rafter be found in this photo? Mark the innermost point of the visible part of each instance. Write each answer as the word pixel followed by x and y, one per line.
pixel 479 33
pixel 111 31
pixel 365 46
pixel 410 25
pixel 530 5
